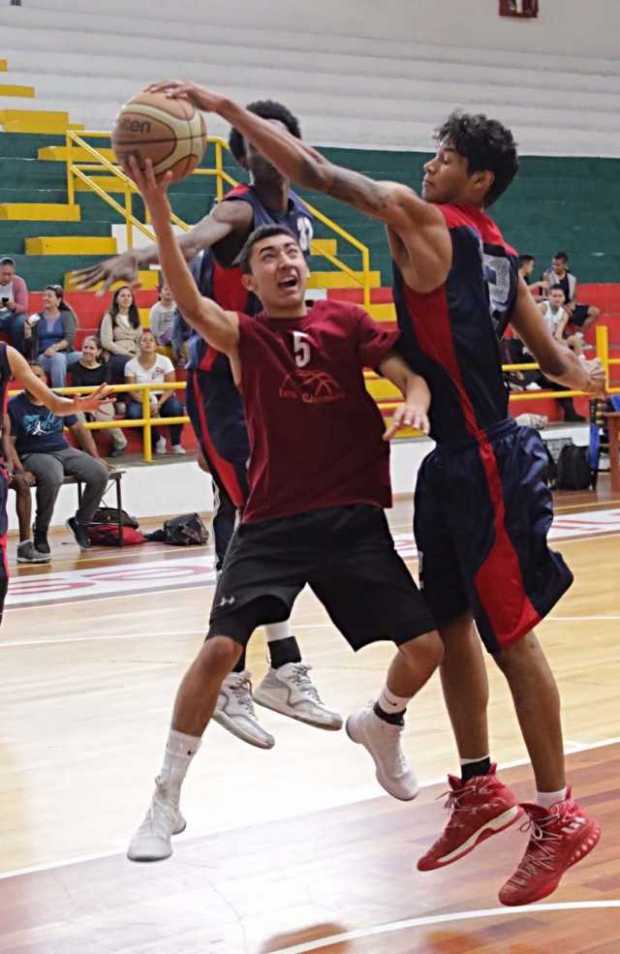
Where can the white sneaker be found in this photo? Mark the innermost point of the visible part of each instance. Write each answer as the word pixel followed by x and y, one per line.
pixel 533 386
pixel 160 445
pixel 152 841
pixel 178 449
pixel 382 740
pixel 290 690
pixel 235 711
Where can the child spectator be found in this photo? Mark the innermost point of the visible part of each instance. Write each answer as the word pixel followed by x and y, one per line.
pixel 580 315
pixel 91 371
pixel 161 319
pixel 119 332
pixel 13 303
pixel 51 333
pixel 149 367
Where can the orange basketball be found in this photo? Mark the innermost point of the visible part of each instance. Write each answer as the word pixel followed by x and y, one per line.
pixel 170 132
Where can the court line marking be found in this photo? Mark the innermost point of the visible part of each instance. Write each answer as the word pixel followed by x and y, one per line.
pixel 52 641
pixel 195 835
pixel 391 927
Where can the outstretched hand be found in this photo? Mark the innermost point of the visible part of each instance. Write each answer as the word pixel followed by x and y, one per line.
pixel 408 415
pixel 596 378
pixel 120 268
pixel 92 402
pixel 198 96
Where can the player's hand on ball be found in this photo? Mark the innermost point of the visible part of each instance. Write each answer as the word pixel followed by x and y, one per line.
pixel 596 378
pixel 198 96
pixel 153 190
pixel 408 414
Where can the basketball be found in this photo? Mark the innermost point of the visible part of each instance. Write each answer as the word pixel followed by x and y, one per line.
pixel 170 132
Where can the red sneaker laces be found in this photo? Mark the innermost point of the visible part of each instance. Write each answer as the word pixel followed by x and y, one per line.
pixel 540 851
pixel 454 801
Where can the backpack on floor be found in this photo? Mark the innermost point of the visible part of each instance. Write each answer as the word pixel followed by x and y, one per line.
pixel 573 468
pixel 107 535
pixel 111 515
pixel 186 531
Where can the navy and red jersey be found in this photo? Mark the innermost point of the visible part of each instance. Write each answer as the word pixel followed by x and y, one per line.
pixel 451 335
pixel 315 432
pixel 5 377
pixel 221 400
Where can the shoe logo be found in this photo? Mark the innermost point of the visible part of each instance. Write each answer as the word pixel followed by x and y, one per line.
pixel 575 825
pixel 226 601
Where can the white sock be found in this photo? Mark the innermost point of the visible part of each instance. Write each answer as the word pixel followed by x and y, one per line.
pixel 390 703
pixel 277 631
pixel 180 750
pixel 547 799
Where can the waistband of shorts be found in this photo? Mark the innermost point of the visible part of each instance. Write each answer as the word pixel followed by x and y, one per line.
pixel 507 426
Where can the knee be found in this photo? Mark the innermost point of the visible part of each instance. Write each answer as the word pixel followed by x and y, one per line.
pixel 218 656
pixel 523 653
pixel 424 652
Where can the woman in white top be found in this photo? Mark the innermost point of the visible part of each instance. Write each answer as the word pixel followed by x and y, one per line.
pixel 149 367
pixel 119 332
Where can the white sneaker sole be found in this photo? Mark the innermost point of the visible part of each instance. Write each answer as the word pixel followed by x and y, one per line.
pixel 385 782
pixel 491 827
pixel 260 742
pixel 148 858
pixel 331 723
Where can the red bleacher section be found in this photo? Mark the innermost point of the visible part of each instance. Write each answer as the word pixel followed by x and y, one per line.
pixel 90 308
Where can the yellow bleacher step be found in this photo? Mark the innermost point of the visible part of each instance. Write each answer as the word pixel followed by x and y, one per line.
pixel 78 154
pixel 9 89
pixel 147 279
pixel 107 183
pixel 385 311
pixel 382 390
pixel 324 246
pixel 71 245
pixel 3 66
pixel 144 316
pixel 342 280
pixel 40 211
pixel 35 121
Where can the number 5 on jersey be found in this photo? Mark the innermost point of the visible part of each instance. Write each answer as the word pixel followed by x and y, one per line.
pixel 301 349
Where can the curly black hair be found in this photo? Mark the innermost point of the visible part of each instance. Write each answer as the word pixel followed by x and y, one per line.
pixel 266 109
pixel 486 144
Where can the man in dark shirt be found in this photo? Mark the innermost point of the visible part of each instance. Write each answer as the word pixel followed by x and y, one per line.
pixel 40 447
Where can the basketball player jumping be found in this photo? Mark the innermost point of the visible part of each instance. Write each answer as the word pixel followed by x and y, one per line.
pixel 482 508
pixel 216 411
pixel 319 478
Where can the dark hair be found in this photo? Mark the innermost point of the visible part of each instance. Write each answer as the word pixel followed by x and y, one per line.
pixel 60 295
pixel 486 145
pixel 262 232
pixel 7 260
pixel 524 259
pixel 266 109
pixel 561 255
pixel 134 315
pixel 557 288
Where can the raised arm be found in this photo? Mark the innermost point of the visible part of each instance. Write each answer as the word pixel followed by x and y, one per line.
pixel 426 252
pixel 556 361
pixel 220 328
pixel 222 221
pixel 22 372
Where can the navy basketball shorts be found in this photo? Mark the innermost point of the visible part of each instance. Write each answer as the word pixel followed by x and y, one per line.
pixel 482 515
pixel 347 557
pixel 229 471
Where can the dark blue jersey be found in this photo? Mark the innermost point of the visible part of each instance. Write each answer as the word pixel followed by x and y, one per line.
pixel 5 377
pixel 223 284
pixel 451 335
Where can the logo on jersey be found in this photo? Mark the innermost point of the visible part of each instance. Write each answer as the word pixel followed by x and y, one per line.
pixel 311 387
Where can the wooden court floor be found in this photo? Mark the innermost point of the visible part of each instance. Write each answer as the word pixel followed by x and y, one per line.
pixel 292 850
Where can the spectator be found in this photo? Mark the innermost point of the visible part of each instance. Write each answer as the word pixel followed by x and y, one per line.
pixel 21 482
pixel 13 303
pixel 553 312
pixel 149 367
pixel 91 371
pixel 52 335
pixel 39 446
pixel 119 332
pixel 580 315
pixel 526 267
pixel 161 319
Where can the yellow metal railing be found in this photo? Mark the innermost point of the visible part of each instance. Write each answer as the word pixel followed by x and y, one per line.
pixel 83 171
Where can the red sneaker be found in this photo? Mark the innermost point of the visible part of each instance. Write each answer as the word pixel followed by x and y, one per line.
pixel 561 836
pixel 481 807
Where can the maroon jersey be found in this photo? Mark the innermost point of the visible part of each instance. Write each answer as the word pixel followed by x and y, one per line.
pixel 315 432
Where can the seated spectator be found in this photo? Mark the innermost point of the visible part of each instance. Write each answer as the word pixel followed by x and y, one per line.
pixel 161 320
pixel 580 315
pixel 40 447
pixel 149 367
pixel 526 267
pixel 21 482
pixel 91 371
pixel 51 336
pixel 119 332
pixel 13 303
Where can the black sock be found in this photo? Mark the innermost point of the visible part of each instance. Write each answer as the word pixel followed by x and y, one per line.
pixel 471 769
pixel 283 651
pixel 240 665
pixel 394 718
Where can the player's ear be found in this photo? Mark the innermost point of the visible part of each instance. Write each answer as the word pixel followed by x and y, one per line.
pixel 248 281
pixel 483 179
